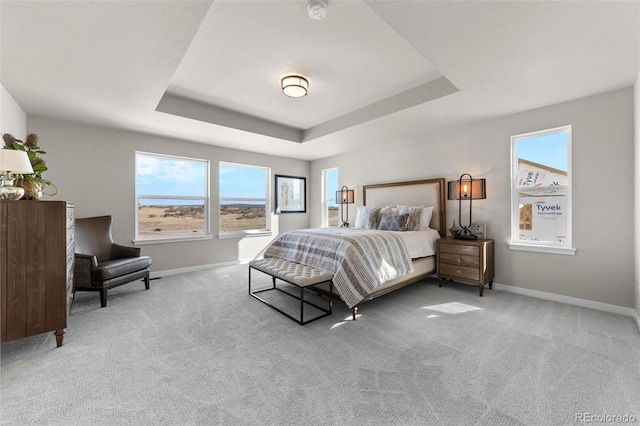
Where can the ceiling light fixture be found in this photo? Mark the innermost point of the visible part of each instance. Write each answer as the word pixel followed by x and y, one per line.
pixel 294 85
pixel 317 9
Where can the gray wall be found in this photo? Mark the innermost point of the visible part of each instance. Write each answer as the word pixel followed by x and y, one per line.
pixel 603 168
pixel 12 118
pixel 94 168
pixel 637 197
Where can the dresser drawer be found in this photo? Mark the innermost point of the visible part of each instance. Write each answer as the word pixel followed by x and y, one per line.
pixel 460 272
pixel 459 259
pixel 460 249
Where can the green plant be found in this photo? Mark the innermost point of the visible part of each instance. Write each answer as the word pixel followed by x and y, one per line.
pixel 33 184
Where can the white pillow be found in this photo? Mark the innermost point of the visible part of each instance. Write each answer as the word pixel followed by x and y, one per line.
pixel 389 210
pixel 362 217
pixel 425 217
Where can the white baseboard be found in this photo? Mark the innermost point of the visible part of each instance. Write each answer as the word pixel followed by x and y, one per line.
pixel 615 309
pixel 169 272
pixel 637 318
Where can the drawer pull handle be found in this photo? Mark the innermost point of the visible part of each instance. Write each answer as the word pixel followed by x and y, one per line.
pixel 458 249
pixel 458 260
pixel 458 271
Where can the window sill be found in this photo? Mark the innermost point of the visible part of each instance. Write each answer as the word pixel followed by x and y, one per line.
pixel 569 251
pixel 163 240
pixel 244 234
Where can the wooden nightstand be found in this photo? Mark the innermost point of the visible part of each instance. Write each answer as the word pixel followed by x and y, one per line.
pixel 468 261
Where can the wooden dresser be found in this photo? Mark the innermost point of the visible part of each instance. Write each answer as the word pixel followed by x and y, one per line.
pixel 36 267
pixel 468 261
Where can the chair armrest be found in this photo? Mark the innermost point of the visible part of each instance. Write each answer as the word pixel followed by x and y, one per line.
pixel 89 259
pixel 83 269
pixel 121 252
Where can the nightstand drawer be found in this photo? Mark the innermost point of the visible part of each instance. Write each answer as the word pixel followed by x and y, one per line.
pixel 460 260
pixel 460 249
pixel 461 272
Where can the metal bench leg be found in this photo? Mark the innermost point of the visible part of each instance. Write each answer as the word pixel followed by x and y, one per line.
pixel 301 305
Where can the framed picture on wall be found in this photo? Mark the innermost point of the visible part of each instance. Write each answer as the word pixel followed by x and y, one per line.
pixel 479 229
pixel 291 194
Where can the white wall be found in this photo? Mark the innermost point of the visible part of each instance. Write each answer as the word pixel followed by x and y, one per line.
pixel 603 268
pixel 13 119
pixel 94 168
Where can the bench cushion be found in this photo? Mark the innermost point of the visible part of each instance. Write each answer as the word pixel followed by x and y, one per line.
pixel 295 273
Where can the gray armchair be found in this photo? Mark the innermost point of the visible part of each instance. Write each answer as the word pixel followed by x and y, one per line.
pixel 100 264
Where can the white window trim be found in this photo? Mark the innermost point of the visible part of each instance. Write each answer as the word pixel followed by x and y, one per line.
pixel 570 251
pixel 164 240
pixel 267 203
pixel 178 238
pixel 515 217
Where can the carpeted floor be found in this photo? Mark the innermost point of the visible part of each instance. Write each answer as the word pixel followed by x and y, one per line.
pixel 196 349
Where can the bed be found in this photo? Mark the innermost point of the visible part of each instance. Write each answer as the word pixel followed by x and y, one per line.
pixel 368 262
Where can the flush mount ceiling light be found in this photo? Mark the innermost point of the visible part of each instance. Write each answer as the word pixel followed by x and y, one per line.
pixel 294 85
pixel 317 9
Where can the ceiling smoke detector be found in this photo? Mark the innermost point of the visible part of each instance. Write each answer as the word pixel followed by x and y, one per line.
pixel 317 9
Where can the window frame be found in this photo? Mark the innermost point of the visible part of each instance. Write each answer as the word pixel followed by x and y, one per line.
pixel 267 203
pixel 544 247
pixel 206 235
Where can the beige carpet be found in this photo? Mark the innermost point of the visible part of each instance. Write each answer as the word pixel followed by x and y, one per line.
pixel 196 349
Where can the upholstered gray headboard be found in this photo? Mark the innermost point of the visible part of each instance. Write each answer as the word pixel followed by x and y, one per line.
pixel 427 192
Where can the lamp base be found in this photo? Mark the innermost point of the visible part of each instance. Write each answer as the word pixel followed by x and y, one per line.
pixel 465 237
pixel 465 234
pixel 344 225
pixel 11 192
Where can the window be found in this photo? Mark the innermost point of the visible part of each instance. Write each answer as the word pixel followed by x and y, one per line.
pixel 172 196
pixel 244 201
pixel 541 191
pixel 330 216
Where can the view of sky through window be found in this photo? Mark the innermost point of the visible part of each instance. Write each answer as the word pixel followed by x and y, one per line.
pixel 549 150
pixel 170 176
pixel 332 187
pixel 242 182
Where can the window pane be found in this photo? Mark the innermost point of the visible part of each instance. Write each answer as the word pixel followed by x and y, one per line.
pixel 542 218
pixel 243 198
pixel 243 217
pixel 237 181
pixel 543 160
pixel 161 218
pixel 542 188
pixel 331 214
pixel 172 196
pixel 162 175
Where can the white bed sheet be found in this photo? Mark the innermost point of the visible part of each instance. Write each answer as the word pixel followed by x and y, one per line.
pixel 420 243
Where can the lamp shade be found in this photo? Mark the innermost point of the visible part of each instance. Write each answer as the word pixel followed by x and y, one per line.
pixel 472 189
pixel 345 196
pixel 15 161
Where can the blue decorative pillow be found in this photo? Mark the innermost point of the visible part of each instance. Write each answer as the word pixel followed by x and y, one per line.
pixel 393 223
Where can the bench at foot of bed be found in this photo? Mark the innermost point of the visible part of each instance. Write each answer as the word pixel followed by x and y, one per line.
pixel 297 274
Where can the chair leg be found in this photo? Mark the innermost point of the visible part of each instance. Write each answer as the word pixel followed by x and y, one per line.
pixel 146 281
pixel 103 298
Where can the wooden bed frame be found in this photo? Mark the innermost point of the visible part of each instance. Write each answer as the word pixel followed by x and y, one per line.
pixel 426 192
